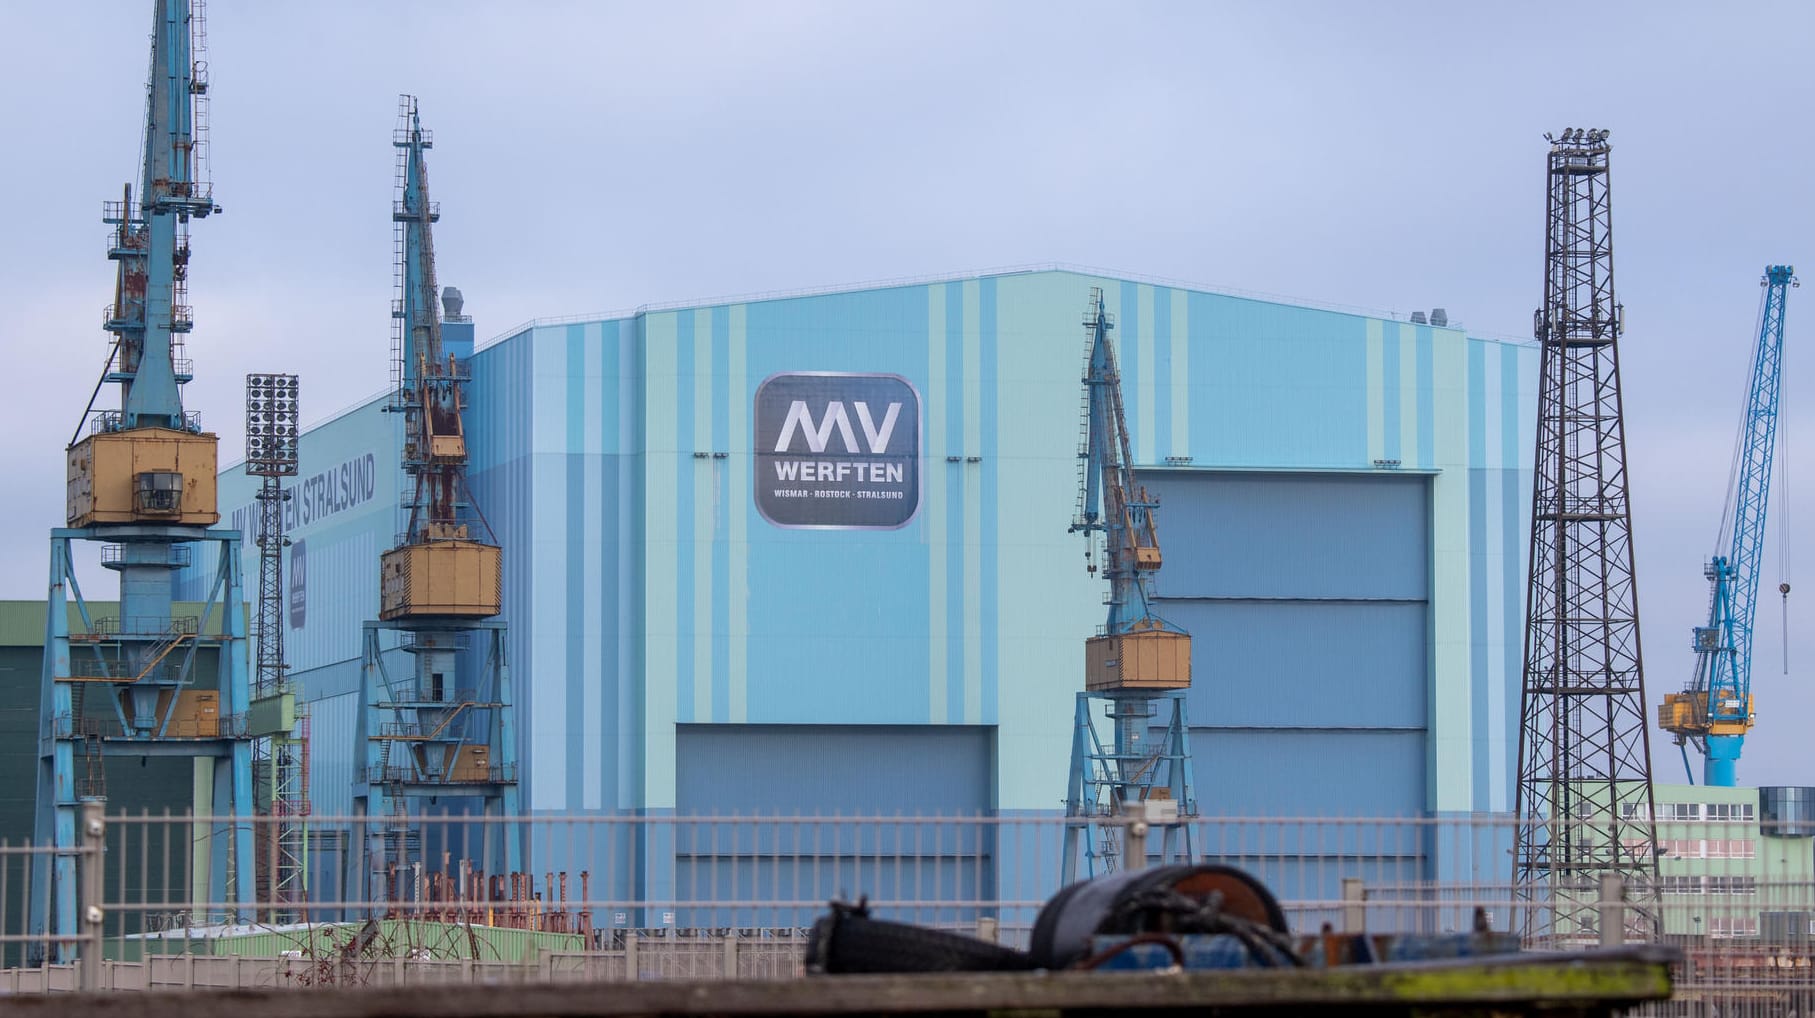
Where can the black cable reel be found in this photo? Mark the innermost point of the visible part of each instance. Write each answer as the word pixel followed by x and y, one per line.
pixel 1154 905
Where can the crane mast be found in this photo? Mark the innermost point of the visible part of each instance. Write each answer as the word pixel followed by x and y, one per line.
pixel 1715 711
pixel 1137 662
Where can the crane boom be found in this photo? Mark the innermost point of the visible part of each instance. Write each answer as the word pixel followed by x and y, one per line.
pixel 1716 710
pixel 1110 501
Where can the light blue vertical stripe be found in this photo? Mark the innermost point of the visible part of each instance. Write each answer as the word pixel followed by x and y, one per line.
pixel 987 546
pixel 1477 578
pixel 611 594
pixel 1426 398
pixel 1514 529
pixel 932 510
pixel 954 500
pixel 1390 403
pixel 1162 373
pixel 721 546
pixel 684 495
pixel 627 561
pixel 1127 338
pixel 574 566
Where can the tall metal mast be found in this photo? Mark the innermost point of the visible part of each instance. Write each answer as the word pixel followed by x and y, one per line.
pixel 1584 797
pixel 142 482
pixel 442 730
pixel 277 722
pixel 1714 712
pixel 1138 661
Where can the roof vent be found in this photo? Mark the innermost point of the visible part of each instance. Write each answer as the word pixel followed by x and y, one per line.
pixel 1439 317
pixel 1418 318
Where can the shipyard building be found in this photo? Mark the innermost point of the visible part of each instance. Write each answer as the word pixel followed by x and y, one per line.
pixel 699 624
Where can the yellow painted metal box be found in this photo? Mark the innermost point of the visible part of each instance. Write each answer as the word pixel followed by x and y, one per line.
pixel 440 579
pixel 472 763
pixel 197 714
pixel 1155 659
pixel 131 477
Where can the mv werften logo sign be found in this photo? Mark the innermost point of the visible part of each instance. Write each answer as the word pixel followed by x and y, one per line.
pixel 837 451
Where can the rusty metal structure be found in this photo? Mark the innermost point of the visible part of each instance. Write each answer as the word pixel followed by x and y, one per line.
pixel 1584 795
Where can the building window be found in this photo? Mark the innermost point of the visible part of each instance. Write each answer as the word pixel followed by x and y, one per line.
pixel 1730 848
pixel 1685 848
pixel 1633 811
pixel 1730 811
pixel 1732 885
pixel 1733 926
pixel 1680 885
pixel 1679 811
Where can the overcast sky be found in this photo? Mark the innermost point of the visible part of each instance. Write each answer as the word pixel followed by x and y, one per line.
pixel 594 157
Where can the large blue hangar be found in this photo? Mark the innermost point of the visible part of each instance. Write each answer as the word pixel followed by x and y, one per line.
pixel 1344 502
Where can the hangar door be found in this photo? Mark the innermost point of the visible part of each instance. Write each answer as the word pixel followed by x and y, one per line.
pixel 1307 598
pixel 826 775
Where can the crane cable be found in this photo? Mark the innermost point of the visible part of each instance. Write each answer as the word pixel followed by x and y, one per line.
pixel 1783 527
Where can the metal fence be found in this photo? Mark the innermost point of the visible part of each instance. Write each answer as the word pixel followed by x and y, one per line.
pixel 437 899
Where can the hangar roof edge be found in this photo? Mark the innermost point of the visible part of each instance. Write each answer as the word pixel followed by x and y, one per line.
pixel 952 277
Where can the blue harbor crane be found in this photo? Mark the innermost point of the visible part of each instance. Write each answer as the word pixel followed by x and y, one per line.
pixel 435 725
pixel 1715 711
pixel 154 676
pixel 1137 664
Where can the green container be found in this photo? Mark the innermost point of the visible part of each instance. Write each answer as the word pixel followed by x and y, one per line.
pixel 397 938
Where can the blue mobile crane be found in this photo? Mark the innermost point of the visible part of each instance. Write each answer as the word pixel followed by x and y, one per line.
pixel 1715 712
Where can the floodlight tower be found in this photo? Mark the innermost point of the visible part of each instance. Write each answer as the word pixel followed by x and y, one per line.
pixel 1138 664
pixel 440 730
pixel 276 722
pixel 1584 796
pixel 142 485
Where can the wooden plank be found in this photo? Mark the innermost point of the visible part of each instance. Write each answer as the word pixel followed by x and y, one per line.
pixel 1588 983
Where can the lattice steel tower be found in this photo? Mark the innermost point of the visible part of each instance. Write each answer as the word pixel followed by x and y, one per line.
pixel 275 722
pixel 1584 796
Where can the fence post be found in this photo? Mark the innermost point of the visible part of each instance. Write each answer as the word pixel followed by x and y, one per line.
pixel 731 954
pixel 94 831
pixel 630 955
pixel 988 928
pixel 1134 846
pixel 1613 910
pixel 1354 914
